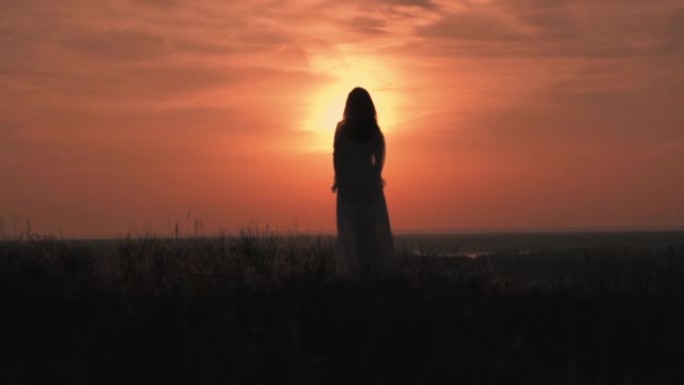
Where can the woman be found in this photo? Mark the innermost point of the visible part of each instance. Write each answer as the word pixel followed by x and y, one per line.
pixel 363 229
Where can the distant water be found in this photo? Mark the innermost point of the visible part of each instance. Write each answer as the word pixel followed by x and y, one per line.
pixel 486 243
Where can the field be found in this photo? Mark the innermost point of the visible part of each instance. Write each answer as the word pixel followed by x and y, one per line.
pixel 267 308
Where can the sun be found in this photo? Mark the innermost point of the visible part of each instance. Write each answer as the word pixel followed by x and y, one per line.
pixel 327 103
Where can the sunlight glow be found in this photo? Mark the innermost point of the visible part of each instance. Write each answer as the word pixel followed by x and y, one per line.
pixel 327 104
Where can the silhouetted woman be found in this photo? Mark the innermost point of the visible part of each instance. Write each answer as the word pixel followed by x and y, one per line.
pixel 364 238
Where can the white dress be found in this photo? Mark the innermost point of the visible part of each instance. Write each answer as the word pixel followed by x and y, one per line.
pixel 364 238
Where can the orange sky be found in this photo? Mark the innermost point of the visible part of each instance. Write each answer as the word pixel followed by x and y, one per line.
pixel 500 114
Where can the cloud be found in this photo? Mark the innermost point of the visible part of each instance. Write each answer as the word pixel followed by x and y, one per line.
pixel 121 45
pixel 473 27
pixel 145 140
pixel 417 3
pixel 366 25
pixel 162 4
pixel 141 29
pixel 675 32
pixel 8 130
pixel 568 28
pixel 143 84
pixel 546 19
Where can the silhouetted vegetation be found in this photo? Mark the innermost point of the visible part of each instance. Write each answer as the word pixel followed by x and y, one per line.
pixel 264 308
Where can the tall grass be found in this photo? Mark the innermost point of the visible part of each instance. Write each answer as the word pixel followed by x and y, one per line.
pixel 264 307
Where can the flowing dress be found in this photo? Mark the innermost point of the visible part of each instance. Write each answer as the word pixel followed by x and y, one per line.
pixel 364 239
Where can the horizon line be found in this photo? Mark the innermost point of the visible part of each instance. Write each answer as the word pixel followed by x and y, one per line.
pixel 399 232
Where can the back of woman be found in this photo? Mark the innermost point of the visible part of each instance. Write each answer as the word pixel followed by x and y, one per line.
pixel 356 171
pixel 364 236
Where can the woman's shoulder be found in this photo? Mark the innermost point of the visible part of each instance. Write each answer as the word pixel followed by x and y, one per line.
pixel 378 136
pixel 339 128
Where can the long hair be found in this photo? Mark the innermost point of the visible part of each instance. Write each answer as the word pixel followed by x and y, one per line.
pixel 359 119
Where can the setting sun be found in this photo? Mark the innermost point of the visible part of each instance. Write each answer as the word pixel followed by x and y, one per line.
pixel 327 104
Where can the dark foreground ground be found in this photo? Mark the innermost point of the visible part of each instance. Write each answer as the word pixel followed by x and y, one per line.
pixel 266 309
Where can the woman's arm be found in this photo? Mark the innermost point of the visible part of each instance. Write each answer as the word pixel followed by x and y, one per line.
pixel 336 157
pixel 379 155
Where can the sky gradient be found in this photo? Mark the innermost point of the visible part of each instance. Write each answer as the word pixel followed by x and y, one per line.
pixel 132 115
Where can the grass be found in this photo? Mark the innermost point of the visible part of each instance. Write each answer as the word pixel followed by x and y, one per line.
pixel 267 308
